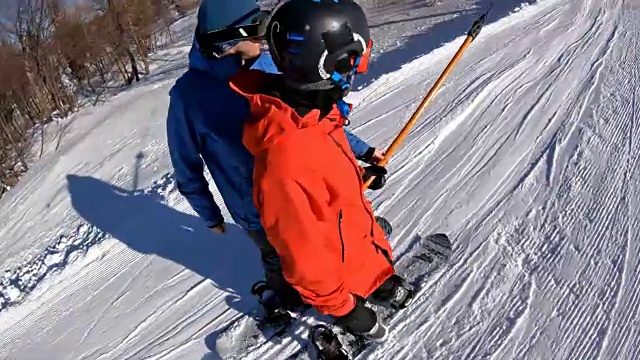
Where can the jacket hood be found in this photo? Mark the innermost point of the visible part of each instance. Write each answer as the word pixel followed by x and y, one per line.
pixel 270 118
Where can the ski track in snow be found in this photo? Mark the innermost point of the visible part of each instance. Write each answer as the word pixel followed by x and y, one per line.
pixel 527 157
pixel 110 270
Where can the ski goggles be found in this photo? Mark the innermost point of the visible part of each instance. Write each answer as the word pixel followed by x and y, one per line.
pixel 251 26
pixel 361 63
pixel 352 64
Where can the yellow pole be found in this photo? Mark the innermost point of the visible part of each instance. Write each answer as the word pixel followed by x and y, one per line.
pixel 471 35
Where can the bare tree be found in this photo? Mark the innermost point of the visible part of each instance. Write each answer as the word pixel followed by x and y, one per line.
pixel 53 51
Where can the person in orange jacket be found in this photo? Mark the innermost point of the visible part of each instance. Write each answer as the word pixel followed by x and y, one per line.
pixel 307 184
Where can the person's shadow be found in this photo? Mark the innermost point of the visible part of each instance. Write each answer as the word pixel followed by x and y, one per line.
pixel 141 221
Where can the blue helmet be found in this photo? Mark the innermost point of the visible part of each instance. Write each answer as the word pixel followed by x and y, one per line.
pixel 224 23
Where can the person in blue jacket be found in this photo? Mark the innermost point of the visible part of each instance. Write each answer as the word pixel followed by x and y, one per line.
pixel 204 127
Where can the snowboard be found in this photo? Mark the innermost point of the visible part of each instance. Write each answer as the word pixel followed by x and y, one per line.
pixel 424 257
pixel 250 332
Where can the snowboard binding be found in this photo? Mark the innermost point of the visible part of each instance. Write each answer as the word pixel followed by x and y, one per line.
pixel 327 344
pixel 275 314
pixel 395 293
pixel 403 295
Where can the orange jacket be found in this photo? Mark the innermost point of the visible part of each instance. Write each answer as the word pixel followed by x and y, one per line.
pixel 307 188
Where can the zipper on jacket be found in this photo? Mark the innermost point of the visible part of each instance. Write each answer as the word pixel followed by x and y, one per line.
pixel 371 216
pixel 340 232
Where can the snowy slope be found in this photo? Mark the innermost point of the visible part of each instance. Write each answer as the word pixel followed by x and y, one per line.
pixel 527 157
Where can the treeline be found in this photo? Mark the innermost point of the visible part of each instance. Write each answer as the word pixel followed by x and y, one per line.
pixel 52 54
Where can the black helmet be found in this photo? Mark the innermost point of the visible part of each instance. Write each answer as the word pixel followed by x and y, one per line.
pixel 319 44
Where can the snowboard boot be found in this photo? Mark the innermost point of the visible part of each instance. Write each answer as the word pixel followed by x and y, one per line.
pixel 288 297
pixel 377 334
pixel 385 225
pixel 394 292
pixel 275 314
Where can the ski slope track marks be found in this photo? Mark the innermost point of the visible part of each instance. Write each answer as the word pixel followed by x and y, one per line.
pixel 527 157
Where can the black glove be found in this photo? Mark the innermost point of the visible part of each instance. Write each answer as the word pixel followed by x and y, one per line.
pixel 380 176
pixel 360 320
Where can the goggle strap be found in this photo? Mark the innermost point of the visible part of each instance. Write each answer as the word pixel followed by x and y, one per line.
pixel 363 63
pixel 248 15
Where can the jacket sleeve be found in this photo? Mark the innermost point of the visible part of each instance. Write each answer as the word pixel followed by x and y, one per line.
pixel 361 150
pixel 304 232
pixel 187 164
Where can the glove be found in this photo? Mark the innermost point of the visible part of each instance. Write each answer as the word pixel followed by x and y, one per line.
pixel 379 172
pixel 361 320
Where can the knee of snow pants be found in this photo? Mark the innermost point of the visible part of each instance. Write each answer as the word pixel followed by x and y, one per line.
pixel 270 259
pixel 273 270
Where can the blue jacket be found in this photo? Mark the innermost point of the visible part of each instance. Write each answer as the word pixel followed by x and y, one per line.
pixel 205 122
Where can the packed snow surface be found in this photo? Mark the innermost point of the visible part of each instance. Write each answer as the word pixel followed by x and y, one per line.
pixel 528 157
